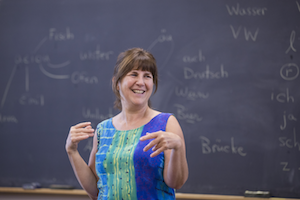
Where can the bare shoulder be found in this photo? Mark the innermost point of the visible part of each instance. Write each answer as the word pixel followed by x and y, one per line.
pixel 173 126
pixel 172 121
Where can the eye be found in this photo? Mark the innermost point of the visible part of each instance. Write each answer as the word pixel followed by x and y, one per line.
pixel 133 74
pixel 148 76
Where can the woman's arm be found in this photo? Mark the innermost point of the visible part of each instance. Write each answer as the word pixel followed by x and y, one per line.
pixel 171 142
pixel 176 167
pixel 85 174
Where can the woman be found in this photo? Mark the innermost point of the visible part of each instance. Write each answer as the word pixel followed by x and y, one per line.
pixel 139 153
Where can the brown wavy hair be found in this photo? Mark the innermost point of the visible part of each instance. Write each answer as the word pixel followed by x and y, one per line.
pixel 135 58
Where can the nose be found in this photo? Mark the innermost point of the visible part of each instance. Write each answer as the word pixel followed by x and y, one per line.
pixel 140 80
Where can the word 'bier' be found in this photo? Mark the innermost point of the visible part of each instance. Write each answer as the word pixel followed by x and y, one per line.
pixel 188 117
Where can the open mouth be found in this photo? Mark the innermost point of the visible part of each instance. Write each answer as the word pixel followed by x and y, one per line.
pixel 138 91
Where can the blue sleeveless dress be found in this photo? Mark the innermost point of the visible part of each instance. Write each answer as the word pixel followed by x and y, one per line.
pixel 125 171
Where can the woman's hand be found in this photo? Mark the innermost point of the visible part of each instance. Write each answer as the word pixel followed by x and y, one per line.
pixel 78 133
pixel 161 142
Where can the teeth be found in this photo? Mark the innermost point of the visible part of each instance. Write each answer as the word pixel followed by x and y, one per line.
pixel 138 91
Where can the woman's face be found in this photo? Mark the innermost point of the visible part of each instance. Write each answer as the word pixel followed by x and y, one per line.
pixel 136 88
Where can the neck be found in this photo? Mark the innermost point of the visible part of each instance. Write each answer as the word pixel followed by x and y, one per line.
pixel 132 115
pixel 129 119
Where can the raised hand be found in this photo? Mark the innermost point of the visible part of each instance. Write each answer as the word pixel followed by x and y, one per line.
pixel 78 133
pixel 161 142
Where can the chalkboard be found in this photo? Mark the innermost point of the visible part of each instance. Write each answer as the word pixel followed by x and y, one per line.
pixel 228 70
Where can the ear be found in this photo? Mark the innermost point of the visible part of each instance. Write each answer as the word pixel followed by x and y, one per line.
pixel 113 82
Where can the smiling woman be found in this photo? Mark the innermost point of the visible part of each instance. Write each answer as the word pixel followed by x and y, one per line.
pixel 139 153
pixel 133 59
pixel 135 87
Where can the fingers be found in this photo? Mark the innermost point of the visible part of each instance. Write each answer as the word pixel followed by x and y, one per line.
pixel 76 138
pixel 81 131
pixel 157 152
pixel 78 133
pixel 149 136
pixel 158 148
pixel 87 130
pixel 151 144
pixel 158 145
pixel 82 125
pixel 161 142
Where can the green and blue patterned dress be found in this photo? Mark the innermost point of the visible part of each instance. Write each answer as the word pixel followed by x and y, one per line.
pixel 125 171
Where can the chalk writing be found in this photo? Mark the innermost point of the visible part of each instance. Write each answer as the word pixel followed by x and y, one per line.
pixel 88 113
pixel 59 65
pixel 298 5
pixel 247 33
pixel 95 55
pixel 218 147
pixel 207 74
pixel 42 61
pixel 292 40
pixel 8 85
pixel 290 142
pixel 29 59
pixel 36 100
pixel 51 75
pixel 190 95
pixel 290 117
pixel 289 71
pixel 188 117
pixel 40 44
pixel 83 77
pixel 249 11
pixel 8 119
pixel 164 38
pixel 193 59
pixel 283 97
pixel 60 36
pixel 285 168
